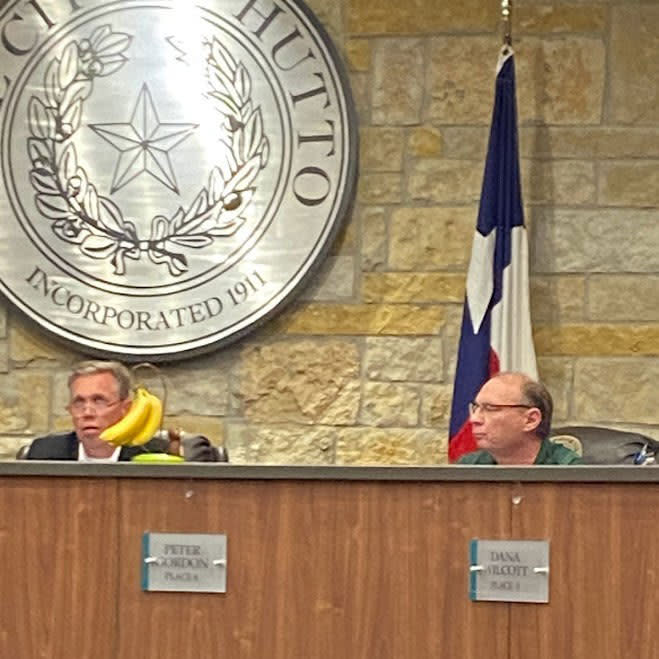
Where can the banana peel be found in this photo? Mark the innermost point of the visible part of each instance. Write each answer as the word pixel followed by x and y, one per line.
pixel 140 422
pixel 173 454
pixel 152 423
pixel 157 458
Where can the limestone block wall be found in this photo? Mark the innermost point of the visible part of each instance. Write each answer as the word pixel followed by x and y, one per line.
pixel 360 369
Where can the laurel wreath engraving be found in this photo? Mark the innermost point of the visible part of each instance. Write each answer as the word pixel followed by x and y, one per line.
pixel 82 216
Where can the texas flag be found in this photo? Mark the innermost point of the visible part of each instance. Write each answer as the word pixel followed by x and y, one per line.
pixel 496 322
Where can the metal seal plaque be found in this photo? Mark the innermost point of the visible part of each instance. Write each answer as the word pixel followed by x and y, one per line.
pixel 172 172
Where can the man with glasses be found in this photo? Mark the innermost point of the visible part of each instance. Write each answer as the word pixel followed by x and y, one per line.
pixel 511 419
pixel 99 396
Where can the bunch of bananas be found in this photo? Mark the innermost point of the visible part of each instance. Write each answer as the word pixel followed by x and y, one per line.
pixel 140 424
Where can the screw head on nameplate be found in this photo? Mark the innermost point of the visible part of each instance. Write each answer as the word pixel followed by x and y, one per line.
pixel 184 562
pixel 509 570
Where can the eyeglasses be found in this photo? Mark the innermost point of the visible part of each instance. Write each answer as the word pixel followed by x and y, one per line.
pixel 96 404
pixel 493 407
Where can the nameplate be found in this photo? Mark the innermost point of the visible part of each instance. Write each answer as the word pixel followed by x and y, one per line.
pixel 184 562
pixel 509 570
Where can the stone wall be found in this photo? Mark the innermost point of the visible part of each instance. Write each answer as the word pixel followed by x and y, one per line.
pixel 360 369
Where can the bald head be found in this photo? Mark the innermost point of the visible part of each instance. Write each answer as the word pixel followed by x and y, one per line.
pixel 531 392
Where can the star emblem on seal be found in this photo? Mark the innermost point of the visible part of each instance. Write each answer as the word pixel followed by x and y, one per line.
pixel 144 143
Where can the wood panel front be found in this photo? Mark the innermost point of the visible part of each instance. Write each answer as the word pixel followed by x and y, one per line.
pixel 604 571
pixel 324 569
pixel 317 569
pixel 58 583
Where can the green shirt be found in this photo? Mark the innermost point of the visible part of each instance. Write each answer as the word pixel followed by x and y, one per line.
pixel 550 453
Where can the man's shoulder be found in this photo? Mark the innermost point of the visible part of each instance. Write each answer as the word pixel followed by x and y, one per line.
pixel 557 454
pixel 550 454
pixel 64 446
pixel 476 458
pixel 57 446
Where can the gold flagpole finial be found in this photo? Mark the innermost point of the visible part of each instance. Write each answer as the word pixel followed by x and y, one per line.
pixel 506 7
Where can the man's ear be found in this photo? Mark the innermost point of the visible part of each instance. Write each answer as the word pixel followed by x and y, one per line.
pixel 533 419
pixel 125 406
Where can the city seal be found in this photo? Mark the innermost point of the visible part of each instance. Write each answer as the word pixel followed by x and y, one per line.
pixel 172 173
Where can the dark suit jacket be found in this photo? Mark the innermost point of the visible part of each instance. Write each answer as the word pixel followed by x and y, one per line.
pixel 64 446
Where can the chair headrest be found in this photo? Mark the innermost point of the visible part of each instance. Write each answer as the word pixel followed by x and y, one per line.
pixel 198 448
pixel 601 445
pixel 569 441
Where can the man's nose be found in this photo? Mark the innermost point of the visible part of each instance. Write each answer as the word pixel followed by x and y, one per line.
pixel 88 409
pixel 476 416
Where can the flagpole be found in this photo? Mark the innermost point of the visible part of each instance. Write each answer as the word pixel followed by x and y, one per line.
pixel 506 8
pixel 496 322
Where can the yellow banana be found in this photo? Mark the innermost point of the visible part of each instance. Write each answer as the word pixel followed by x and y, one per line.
pixel 152 423
pixel 126 428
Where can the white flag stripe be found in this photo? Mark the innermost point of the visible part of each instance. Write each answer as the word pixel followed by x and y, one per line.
pixel 480 283
pixel 511 336
pixel 505 53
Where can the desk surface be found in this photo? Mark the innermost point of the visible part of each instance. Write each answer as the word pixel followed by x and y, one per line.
pixel 450 473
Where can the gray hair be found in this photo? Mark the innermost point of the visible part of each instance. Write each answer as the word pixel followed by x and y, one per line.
pixel 121 374
pixel 538 395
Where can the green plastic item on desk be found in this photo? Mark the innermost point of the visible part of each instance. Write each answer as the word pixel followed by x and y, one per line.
pixel 157 458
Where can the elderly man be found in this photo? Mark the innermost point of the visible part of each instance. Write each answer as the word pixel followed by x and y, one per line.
pixel 100 395
pixel 510 420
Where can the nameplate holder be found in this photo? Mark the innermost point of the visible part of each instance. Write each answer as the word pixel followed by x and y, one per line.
pixel 509 570
pixel 184 562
